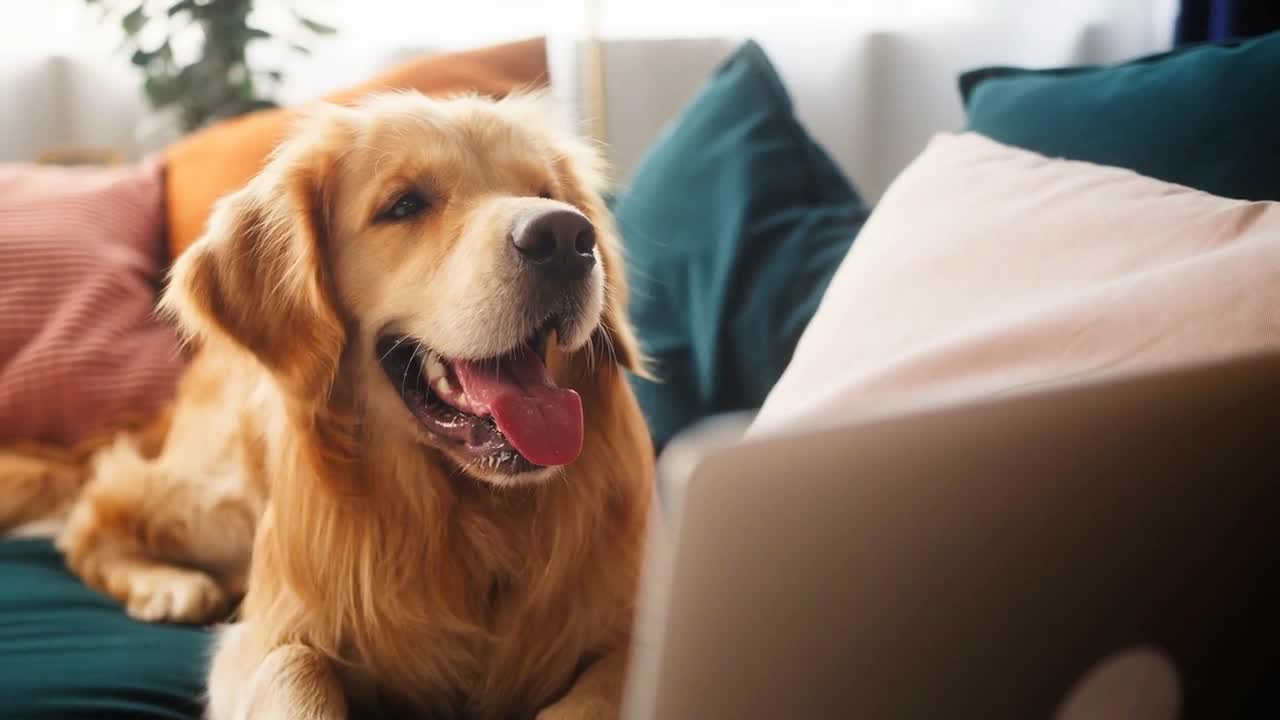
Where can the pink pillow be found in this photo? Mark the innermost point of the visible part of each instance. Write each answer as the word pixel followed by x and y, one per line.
pixel 81 258
pixel 987 269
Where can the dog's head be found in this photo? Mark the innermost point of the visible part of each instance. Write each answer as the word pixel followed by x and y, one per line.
pixel 446 267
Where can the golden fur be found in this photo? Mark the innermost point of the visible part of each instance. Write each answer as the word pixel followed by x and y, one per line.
pixel 385 573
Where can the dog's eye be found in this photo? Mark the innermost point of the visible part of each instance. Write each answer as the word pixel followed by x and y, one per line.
pixel 406 205
pixel 546 194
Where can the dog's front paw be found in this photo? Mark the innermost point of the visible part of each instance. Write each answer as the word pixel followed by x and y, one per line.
pixel 579 708
pixel 170 594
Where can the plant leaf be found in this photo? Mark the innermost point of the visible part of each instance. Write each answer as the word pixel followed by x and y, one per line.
pixel 300 49
pixel 182 6
pixel 255 33
pixel 162 90
pixel 260 104
pixel 133 21
pixel 318 28
pixel 245 87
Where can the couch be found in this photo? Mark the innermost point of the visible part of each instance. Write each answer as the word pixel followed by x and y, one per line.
pixel 52 682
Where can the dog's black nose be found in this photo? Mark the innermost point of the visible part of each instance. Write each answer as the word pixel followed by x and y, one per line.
pixel 562 240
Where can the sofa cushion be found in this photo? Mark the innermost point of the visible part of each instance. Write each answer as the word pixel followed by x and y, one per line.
pixel 1204 116
pixel 71 654
pixel 81 258
pixel 987 269
pixel 220 158
pixel 733 224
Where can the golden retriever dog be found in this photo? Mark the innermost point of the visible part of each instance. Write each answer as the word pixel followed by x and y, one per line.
pixel 406 435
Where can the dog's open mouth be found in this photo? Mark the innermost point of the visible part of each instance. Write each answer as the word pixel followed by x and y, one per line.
pixel 505 411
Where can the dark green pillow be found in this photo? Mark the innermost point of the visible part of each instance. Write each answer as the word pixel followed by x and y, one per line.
pixel 733 224
pixel 67 652
pixel 1205 116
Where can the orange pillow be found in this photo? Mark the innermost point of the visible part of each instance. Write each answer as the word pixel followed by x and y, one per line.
pixel 220 158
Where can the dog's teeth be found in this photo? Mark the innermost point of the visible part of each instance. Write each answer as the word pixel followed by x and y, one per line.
pixel 435 369
pixel 442 386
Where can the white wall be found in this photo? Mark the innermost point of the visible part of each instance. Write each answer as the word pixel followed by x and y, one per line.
pixel 874 92
pixel 871 79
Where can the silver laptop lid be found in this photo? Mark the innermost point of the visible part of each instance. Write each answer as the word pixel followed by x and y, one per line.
pixel 977 561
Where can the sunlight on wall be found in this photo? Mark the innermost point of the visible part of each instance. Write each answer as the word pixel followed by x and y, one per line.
pixel 642 18
pixel 48 26
pixel 68 26
pixel 375 33
pixel 451 23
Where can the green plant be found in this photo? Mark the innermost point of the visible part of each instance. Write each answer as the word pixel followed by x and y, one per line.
pixel 193 54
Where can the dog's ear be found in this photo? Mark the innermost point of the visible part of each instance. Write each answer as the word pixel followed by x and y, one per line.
pixel 258 276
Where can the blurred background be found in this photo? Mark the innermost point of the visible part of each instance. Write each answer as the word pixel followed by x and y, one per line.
pixel 871 79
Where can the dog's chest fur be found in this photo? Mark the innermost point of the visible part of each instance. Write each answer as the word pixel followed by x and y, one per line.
pixel 499 634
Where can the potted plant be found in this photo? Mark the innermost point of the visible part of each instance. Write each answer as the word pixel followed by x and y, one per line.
pixel 193 54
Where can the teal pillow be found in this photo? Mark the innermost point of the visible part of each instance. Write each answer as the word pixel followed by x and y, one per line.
pixel 67 652
pixel 733 224
pixel 1206 116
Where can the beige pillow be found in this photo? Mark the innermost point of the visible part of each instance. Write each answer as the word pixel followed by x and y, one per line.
pixel 987 269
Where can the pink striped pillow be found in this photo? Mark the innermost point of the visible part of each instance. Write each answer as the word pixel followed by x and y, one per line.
pixel 81 257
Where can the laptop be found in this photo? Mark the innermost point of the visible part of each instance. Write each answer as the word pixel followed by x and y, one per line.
pixel 1105 550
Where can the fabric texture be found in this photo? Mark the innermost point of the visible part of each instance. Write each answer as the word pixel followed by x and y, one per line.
pixel 1204 116
pixel 1217 20
pixel 69 653
pixel 80 265
pixel 216 160
pixel 733 224
pixel 987 270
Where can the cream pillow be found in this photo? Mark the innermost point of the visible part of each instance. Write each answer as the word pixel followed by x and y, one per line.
pixel 987 269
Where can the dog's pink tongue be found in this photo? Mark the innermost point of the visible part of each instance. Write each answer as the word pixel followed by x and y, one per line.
pixel 542 421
